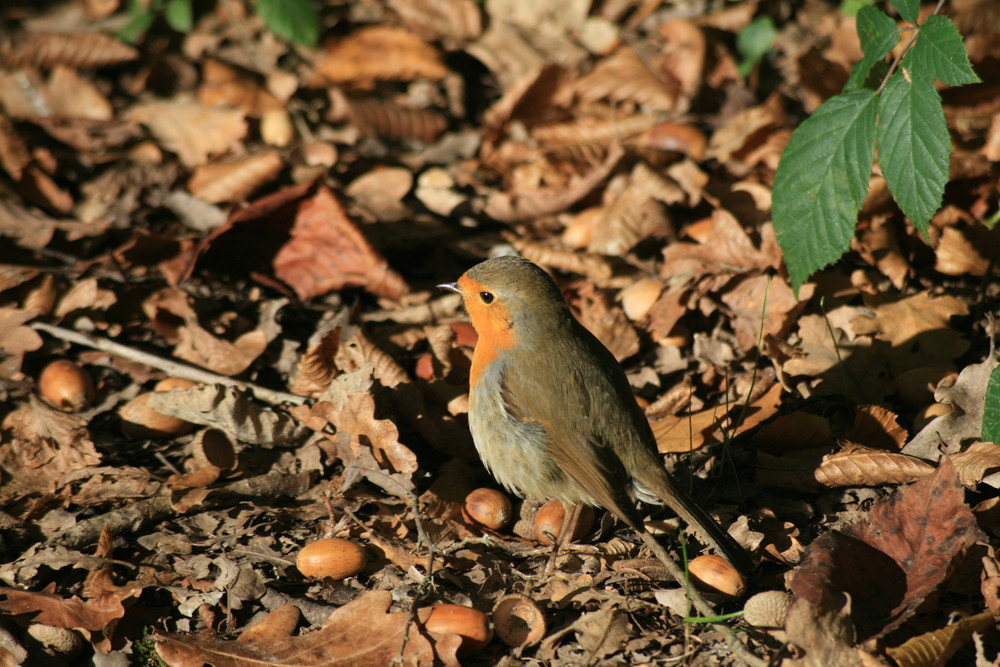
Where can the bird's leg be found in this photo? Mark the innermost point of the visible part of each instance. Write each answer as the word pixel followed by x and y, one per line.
pixel 571 517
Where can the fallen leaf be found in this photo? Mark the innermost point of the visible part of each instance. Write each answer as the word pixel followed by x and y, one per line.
pixel 362 632
pixel 891 564
pixel 967 394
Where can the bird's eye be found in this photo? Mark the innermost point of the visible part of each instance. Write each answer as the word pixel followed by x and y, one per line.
pixel 487 297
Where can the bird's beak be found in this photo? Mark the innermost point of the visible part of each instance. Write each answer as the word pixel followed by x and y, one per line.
pixel 451 287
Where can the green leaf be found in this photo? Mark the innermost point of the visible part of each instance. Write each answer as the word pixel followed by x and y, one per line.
pixel 822 180
pixel 991 412
pixel 754 41
pixel 850 8
pixel 939 52
pixel 908 9
pixel 137 26
pixel 914 147
pixel 179 15
pixel 878 34
pixel 294 21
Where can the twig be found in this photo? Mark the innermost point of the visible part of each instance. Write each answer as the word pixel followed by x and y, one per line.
pixel 174 368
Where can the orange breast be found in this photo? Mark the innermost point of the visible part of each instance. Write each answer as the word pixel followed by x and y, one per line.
pixel 492 322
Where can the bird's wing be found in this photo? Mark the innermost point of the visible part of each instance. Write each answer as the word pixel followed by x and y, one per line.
pixel 579 453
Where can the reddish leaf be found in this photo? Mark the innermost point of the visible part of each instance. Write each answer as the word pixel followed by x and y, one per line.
pixel 892 564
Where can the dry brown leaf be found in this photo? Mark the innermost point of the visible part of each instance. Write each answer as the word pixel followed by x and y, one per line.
pixel 965 251
pixel 976 462
pixel 70 96
pixel 918 328
pixel 234 180
pixel 15 340
pixel 878 245
pixel 39 188
pixel 229 410
pixel 200 347
pixel 937 647
pixel 224 84
pixel 590 265
pixel 745 130
pixel 324 236
pixel 361 632
pixel 437 426
pixel 381 192
pixel 825 633
pixel 378 118
pixel 796 430
pixel 625 77
pixel 357 417
pixel 379 53
pixel 859 466
pixel 43 445
pixel 453 21
pixel 763 297
pixel 96 617
pixel 840 365
pixel 14 155
pixel 685 433
pixel 597 314
pixel 728 250
pixel 890 564
pixel 193 131
pixel 515 206
pixel 196 479
pixel 305 234
pixel 876 427
pixel 636 212
pixel 966 421
pixel 315 368
pixel 591 130
pixel 85 295
pixel 75 49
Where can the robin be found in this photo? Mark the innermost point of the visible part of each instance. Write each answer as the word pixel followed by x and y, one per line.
pixel 551 412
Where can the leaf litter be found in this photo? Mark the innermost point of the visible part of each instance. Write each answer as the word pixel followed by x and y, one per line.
pixel 268 223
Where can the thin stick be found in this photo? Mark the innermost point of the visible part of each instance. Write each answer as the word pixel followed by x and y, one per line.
pixel 174 368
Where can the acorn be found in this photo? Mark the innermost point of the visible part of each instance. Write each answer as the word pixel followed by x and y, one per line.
pixel 425 367
pixel 334 558
pixel 715 574
pixel 639 297
pixel 465 334
pixel 768 609
pixel 66 385
pixel 518 620
pixel 487 507
pixel 470 624
pixel 141 421
pixel 549 520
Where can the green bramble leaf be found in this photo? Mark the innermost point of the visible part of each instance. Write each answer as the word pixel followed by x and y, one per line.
pixel 755 40
pixel 850 8
pixel 908 9
pixel 295 21
pixel 821 181
pixel 141 20
pixel 878 34
pixel 991 411
pixel 914 147
pixel 940 53
pixel 178 15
